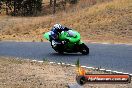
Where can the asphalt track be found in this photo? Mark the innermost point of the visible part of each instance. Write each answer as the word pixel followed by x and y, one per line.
pixel 107 56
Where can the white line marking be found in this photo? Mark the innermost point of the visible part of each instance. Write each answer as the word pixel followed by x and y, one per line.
pixel 126 73
pixel 119 72
pixel 34 60
pixel 40 61
pixel 73 65
pixel 114 71
pixel 86 67
pixel 89 67
pixel 58 63
pixel 51 62
pixel 108 70
pixel 68 64
pixel 102 69
pixel 111 43
pixel 83 66
pixel 63 63
pixel 130 74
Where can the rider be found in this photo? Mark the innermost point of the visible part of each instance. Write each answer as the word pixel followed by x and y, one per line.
pixel 56 30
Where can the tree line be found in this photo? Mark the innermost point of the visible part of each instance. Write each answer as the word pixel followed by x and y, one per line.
pixel 27 7
pixel 21 7
pixel 54 2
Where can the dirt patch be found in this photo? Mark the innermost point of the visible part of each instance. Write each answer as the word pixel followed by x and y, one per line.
pixel 26 74
pixel 17 73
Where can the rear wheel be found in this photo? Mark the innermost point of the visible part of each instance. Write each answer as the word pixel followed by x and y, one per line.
pixel 84 49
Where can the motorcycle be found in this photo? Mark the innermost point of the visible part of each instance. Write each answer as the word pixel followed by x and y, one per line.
pixel 69 42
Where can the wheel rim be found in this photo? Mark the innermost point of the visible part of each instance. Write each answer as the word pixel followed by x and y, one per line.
pixel 84 50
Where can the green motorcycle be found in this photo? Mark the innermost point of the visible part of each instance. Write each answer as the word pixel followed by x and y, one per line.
pixel 69 43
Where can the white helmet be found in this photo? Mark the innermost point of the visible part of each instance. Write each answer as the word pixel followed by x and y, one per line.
pixel 57 26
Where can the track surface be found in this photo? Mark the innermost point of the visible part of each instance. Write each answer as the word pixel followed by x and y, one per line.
pixel 113 57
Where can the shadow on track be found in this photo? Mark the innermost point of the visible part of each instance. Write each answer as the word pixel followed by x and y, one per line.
pixel 67 54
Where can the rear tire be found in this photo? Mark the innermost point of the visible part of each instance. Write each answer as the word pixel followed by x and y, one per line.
pixel 84 49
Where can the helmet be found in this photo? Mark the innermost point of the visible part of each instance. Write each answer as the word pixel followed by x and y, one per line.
pixel 57 26
pixel 53 35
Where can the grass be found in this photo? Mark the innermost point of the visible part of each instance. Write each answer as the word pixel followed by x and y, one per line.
pixel 108 21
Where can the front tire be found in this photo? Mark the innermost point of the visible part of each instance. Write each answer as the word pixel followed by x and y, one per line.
pixel 58 49
pixel 84 49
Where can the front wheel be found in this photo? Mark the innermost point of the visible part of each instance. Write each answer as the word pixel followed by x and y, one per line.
pixel 84 49
pixel 57 47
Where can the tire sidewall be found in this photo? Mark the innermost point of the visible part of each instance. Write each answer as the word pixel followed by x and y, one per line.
pixel 84 47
